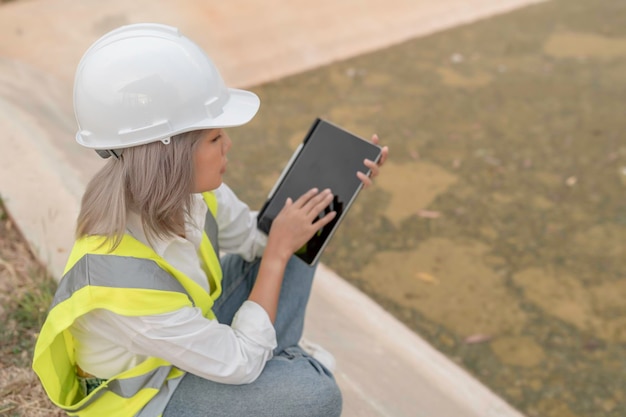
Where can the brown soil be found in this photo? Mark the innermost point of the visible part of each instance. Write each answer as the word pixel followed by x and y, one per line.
pixel 25 291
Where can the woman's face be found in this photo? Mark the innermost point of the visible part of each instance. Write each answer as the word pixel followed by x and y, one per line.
pixel 210 160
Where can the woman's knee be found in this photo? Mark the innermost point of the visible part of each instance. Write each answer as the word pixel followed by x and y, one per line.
pixel 322 400
pixel 305 385
pixel 325 393
pixel 330 400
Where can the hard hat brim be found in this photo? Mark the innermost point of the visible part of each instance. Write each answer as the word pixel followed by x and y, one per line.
pixel 241 107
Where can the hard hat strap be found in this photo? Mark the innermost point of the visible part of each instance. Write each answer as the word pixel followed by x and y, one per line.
pixel 106 153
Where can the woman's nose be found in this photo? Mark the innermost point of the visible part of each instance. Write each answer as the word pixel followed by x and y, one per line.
pixel 227 144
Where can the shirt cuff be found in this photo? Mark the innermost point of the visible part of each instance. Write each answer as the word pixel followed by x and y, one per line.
pixel 253 321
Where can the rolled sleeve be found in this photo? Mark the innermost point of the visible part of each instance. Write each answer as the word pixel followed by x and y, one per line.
pixel 227 354
pixel 253 322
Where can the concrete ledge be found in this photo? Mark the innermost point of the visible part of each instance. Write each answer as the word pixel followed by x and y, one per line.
pixel 252 42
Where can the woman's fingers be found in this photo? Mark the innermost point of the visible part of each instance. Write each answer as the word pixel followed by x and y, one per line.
pixel 304 198
pixel 367 181
pixel 324 220
pixel 312 198
pixel 323 203
pixel 383 156
pixel 385 150
pixel 312 203
pixel 318 203
pixel 373 166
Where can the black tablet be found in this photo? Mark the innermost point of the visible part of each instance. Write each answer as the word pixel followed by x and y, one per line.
pixel 328 157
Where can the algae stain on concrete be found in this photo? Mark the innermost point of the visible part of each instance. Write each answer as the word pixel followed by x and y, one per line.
pixel 607 300
pixel 597 309
pixel 454 78
pixel 584 45
pixel 602 240
pixel 558 294
pixel 554 408
pixel 518 351
pixel 413 186
pixel 377 80
pixel 465 294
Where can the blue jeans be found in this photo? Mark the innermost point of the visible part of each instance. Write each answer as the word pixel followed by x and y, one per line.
pixel 292 384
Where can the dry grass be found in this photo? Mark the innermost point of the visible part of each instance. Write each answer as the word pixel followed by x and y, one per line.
pixel 25 293
pixel 22 394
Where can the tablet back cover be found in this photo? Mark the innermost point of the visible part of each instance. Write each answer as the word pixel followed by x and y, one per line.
pixel 329 157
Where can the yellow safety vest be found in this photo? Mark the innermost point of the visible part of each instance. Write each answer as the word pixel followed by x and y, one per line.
pixel 131 280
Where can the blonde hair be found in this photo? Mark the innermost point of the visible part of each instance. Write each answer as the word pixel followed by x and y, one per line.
pixel 154 180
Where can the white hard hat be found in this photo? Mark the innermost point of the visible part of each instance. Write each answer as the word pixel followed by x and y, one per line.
pixel 147 82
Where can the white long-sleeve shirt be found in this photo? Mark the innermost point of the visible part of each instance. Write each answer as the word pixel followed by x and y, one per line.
pixel 108 343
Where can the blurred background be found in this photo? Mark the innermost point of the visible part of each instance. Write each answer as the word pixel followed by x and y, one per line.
pixel 497 229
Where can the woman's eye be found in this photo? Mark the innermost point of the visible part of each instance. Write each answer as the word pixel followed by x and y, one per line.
pixel 215 139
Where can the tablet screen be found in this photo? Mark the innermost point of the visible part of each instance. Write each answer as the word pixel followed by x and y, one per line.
pixel 328 158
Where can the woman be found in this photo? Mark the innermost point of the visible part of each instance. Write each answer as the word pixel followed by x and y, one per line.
pixel 148 320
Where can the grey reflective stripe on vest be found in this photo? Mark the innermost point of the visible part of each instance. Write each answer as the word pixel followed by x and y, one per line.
pixel 157 404
pixel 115 272
pixel 129 387
pixel 211 230
pixel 124 272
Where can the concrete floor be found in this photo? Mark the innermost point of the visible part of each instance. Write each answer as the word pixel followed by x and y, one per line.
pixel 384 368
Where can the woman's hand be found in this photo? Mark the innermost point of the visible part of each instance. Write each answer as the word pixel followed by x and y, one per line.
pixel 296 223
pixel 373 166
pixel 291 229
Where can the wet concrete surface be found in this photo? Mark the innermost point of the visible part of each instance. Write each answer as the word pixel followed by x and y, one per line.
pixel 497 230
